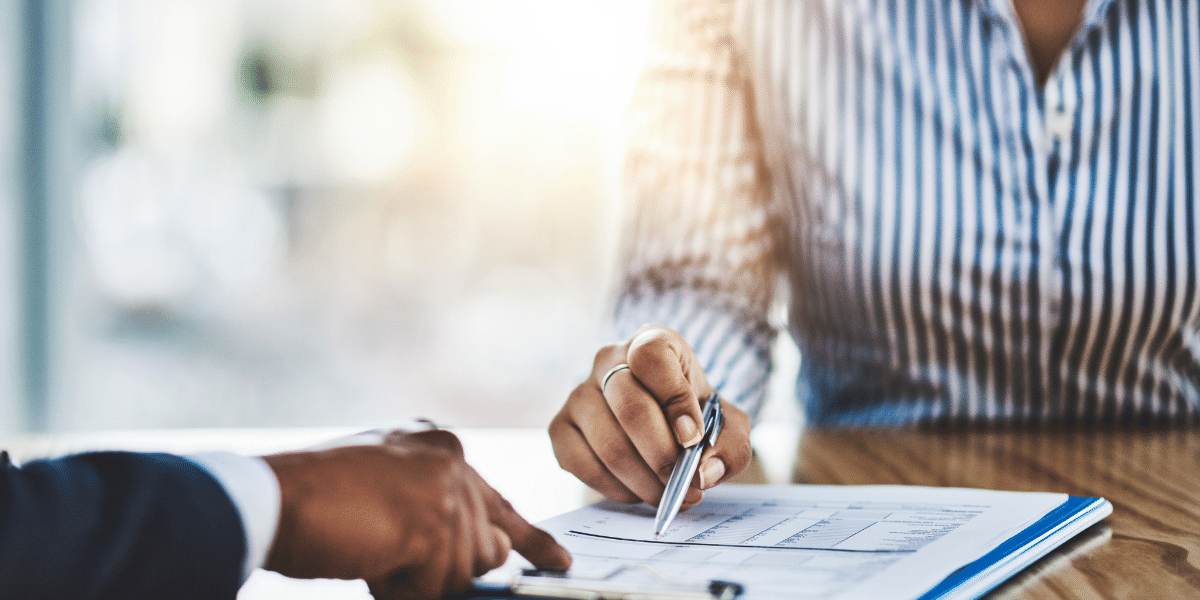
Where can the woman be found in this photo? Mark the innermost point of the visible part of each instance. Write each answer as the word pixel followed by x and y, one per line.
pixel 980 212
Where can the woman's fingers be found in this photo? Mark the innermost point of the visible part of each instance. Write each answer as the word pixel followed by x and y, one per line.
pixel 663 362
pixel 731 453
pixel 622 431
pixel 640 418
pixel 576 457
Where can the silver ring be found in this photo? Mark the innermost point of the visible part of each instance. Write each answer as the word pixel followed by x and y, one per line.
pixel 609 374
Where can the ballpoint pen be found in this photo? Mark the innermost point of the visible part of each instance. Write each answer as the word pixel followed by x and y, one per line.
pixel 685 469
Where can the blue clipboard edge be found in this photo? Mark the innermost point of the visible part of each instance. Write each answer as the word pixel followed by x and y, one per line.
pixel 1021 550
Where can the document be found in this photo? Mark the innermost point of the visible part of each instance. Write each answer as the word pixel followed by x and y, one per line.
pixel 806 542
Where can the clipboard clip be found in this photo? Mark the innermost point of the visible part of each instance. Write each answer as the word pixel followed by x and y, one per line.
pixel 538 583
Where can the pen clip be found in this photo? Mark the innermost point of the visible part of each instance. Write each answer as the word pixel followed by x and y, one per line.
pixel 713 422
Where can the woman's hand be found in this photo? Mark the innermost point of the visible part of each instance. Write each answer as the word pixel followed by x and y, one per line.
pixel 624 437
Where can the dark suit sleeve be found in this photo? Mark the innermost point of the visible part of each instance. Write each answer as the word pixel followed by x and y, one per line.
pixel 117 525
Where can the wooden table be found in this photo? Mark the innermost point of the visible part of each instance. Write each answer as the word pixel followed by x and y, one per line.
pixel 1148 548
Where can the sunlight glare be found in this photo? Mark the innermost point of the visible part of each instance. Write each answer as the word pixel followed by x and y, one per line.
pixel 368 119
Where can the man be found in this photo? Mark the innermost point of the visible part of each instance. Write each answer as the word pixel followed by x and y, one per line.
pixel 981 211
pixel 408 515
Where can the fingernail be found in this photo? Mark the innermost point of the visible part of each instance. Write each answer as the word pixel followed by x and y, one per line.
pixel 686 429
pixel 711 472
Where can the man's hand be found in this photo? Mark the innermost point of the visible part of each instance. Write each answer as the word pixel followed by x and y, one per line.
pixel 410 517
pixel 624 440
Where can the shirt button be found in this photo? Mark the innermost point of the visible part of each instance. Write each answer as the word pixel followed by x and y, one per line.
pixel 1058 124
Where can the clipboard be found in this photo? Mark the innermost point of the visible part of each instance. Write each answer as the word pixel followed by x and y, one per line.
pixel 559 585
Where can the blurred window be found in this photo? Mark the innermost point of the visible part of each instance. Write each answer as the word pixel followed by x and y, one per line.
pixel 290 212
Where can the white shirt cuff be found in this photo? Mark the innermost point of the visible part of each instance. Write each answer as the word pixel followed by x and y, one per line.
pixel 252 486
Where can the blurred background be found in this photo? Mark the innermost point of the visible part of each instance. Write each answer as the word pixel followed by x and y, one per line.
pixel 306 212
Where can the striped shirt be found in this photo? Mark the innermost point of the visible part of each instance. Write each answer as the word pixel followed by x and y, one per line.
pixel 954 243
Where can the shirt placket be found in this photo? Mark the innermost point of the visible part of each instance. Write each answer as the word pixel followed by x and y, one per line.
pixel 1047 118
pixel 1058 120
pixel 1062 141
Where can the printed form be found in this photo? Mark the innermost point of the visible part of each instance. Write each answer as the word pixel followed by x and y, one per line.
pixel 806 542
